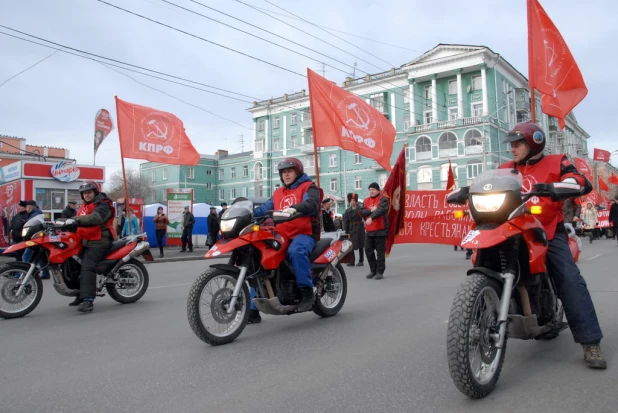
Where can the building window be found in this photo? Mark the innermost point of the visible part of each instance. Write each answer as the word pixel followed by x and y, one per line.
pixel 447 143
pixel 382 180
pixel 244 191
pixel 293 141
pixel 428 92
pixel 427 117
pixel 423 148
pixel 191 173
pixel 452 113
pixel 358 182
pixel 333 185
pixel 221 174
pixel 164 174
pixel 476 83
pixel 259 146
pixel 311 162
pixel 332 160
pixel 233 193
pixel 473 142
pixel 233 172
pixel 276 145
pixel 474 170
pixel 407 179
pixel 261 125
pixel 276 123
pixel 153 195
pixel 406 95
pixel 444 172
pixel 477 109
pixel 424 174
pixel 208 185
pixel 293 117
pixel 208 171
pixel 276 168
pixel 154 176
pixel 406 122
pixel 357 159
pixel 377 101
pixel 221 194
pixel 452 87
pixel 245 171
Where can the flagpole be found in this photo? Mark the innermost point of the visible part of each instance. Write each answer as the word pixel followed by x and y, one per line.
pixel 124 173
pixel 531 65
pixel 315 148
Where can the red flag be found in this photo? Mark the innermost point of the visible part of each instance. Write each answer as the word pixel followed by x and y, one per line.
pixel 594 197
pixel 103 125
pixel 395 190
pixel 556 74
pixel 601 155
pixel 343 119
pixel 613 179
pixel 153 135
pixel 602 185
pixel 450 182
pixel 583 168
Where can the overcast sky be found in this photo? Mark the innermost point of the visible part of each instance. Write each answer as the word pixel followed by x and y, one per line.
pixel 55 102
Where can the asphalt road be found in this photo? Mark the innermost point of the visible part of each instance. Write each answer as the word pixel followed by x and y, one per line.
pixel 385 351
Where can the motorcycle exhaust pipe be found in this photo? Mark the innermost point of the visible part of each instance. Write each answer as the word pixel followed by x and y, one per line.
pixel 345 249
pixel 138 250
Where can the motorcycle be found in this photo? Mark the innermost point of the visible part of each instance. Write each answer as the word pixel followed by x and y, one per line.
pixel 508 293
pixel 123 277
pixel 218 303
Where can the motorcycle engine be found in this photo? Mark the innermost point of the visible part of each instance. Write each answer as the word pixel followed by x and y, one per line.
pixel 288 292
pixel 70 271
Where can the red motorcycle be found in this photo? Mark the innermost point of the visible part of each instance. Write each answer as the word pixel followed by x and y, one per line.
pixel 218 303
pixel 508 293
pixel 120 273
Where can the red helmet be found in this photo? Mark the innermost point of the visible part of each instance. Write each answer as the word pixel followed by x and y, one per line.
pixel 89 186
pixel 293 163
pixel 531 134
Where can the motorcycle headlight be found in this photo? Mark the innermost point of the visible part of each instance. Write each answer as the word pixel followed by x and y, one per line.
pixel 488 203
pixel 24 231
pixel 228 225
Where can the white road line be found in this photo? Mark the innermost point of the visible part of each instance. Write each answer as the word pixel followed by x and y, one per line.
pixel 167 286
pixel 591 258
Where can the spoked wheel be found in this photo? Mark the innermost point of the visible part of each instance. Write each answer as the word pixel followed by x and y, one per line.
pixel 132 283
pixel 331 293
pixel 474 361
pixel 208 303
pixel 11 304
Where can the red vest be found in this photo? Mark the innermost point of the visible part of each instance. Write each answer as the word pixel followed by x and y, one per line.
pixel 546 171
pixel 284 198
pixel 378 223
pixel 94 233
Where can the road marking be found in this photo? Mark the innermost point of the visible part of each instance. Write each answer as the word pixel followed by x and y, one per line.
pixel 167 286
pixel 591 258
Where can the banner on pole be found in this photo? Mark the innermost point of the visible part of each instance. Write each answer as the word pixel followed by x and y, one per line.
pixel 176 203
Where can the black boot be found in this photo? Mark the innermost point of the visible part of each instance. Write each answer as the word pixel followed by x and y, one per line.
pixel 75 302
pixel 351 264
pixel 306 299
pixel 85 306
pixel 254 317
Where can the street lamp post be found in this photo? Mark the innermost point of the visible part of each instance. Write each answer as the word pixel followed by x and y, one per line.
pixel 185 174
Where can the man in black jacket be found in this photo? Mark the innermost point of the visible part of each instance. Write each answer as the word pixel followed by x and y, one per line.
pixel 17 224
pixel 188 220
pixel 613 216
pixel 69 211
pixel 327 220
pixel 375 212
pixel 213 227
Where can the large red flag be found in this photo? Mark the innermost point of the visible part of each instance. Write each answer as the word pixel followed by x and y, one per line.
pixel 343 119
pixel 583 168
pixel 602 185
pixel 395 190
pixel 601 155
pixel 613 179
pixel 153 135
pixel 450 182
pixel 555 74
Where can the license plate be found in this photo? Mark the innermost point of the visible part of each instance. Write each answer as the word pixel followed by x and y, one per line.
pixel 148 256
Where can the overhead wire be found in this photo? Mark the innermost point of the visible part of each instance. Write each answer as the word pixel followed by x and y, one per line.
pixel 28 68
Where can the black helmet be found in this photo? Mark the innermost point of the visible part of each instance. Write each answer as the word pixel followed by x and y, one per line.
pixel 293 163
pixel 89 186
pixel 530 133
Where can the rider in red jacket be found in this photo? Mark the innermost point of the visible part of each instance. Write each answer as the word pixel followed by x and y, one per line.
pixel 527 143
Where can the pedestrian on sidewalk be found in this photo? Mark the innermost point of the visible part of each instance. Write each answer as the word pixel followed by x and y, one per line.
pixel 223 209
pixel 613 216
pixel 161 223
pixel 375 211
pixel 134 224
pixel 327 220
pixel 213 227
pixel 70 211
pixel 188 220
pixel 354 225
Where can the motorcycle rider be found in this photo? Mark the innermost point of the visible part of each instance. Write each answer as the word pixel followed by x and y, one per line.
pixel 527 143
pixel 297 195
pixel 94 222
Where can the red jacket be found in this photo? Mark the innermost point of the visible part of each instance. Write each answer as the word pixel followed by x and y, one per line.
pixel 95 233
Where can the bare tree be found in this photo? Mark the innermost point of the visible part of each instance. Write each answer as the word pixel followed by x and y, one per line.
pixel 138 186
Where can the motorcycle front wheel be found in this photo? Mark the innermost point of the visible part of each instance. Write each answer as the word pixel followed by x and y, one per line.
pixel 11 304
pixel 207 306
pixel 473 360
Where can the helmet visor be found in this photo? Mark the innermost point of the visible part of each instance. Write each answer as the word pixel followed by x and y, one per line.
pixel 513 136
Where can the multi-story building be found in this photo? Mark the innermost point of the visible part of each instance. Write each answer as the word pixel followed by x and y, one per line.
pixel 454 102
pixel 13 149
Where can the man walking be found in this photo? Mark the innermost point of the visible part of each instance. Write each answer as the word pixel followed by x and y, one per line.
pixel 213 227
pixel 354 225
pixel 375 212
pixel 188 220
pixel 223 209
pixel 70 211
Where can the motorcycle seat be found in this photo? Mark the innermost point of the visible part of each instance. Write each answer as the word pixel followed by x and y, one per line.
pixel 319 248
pixel 116 245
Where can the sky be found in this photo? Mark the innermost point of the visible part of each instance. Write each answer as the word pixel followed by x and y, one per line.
pixel 54 103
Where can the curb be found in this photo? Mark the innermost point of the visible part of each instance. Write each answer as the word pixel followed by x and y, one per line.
pixel 181 259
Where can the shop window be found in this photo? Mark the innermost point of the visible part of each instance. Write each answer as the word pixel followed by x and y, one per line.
pixel 48 199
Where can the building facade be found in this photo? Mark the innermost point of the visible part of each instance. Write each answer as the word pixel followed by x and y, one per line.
pixel 454 103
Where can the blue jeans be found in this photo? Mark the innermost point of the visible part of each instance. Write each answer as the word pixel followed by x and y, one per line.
pixel 28 255
pixel 572 291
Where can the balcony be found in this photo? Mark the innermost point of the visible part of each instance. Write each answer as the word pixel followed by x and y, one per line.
pixel 306 124
pixel 472 121
pixel 307 148
pixel 423 128
pixel 447 124
pixel 522 106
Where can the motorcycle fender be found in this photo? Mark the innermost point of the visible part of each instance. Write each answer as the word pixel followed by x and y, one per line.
pixel 225 245
pixel 16 264
pixel 480 238
pixel 122 252
pixel 329 254
pixel 488 272
pixel 17 247
pixel 226 267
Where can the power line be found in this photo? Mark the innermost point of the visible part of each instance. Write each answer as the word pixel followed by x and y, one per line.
pixel 28 68
pixel 201 38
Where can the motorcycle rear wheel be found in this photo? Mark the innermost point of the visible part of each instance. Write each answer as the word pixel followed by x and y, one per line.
pixel 207 310
pixel 334 294
pixel 12 306
pixel 126 293
pixel 473 360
